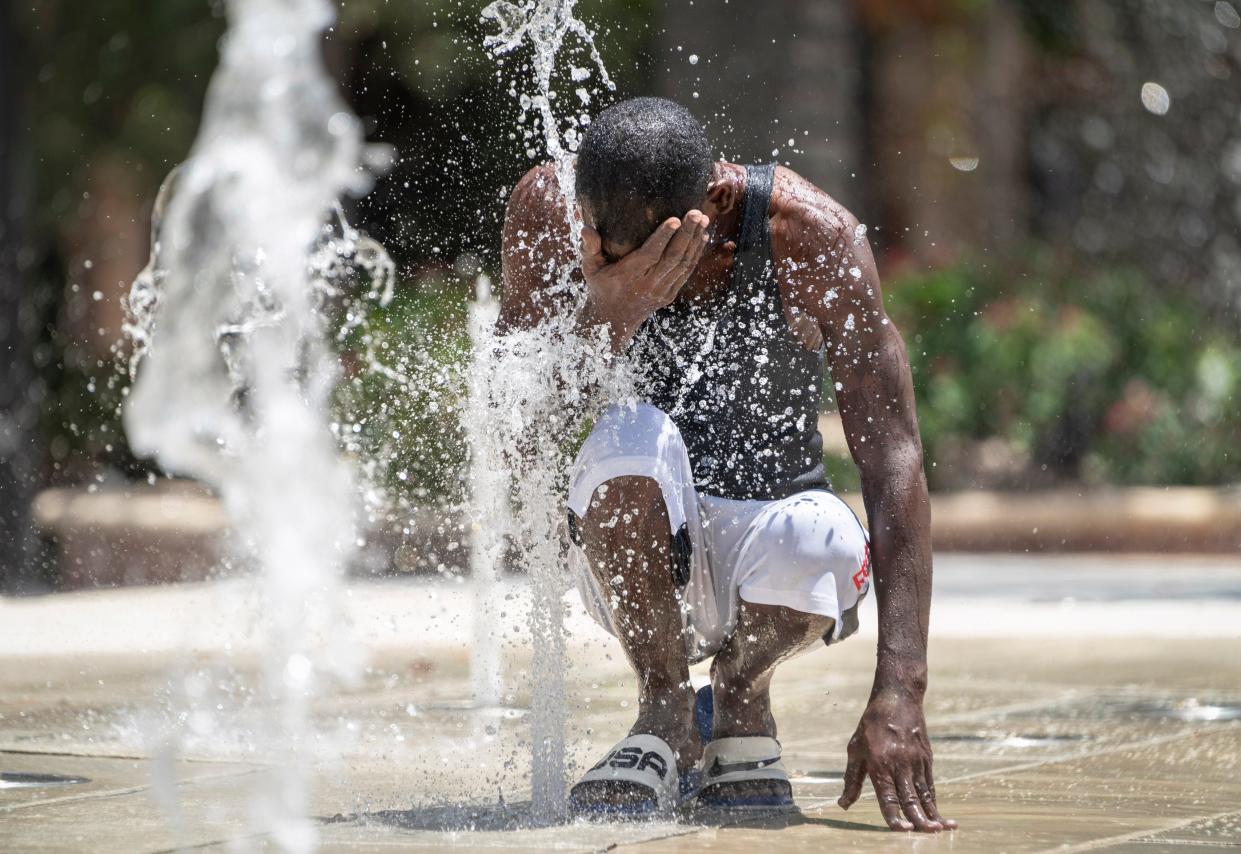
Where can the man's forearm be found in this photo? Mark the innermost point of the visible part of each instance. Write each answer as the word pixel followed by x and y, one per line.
pixel 594 318
pixel 899 511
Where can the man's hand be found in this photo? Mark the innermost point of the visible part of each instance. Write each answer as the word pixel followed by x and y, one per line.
pixel 892 748
pixel 624 293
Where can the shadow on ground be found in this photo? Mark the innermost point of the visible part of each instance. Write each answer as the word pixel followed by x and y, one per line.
pixel 502 816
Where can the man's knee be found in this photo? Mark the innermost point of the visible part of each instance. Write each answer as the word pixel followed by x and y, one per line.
pixel 779 630
pixel 627 523
pixel 625 502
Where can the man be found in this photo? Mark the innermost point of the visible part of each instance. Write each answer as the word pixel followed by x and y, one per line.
pixel 702 521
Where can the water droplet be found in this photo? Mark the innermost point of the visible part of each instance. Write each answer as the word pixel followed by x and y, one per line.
pixel 1155 98
pixel 341 123
pixel 297 670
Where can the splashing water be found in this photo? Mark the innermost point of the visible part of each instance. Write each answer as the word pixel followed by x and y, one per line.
pixel 488 513
pixel 230 324
pixel 524 378
pixel 236 371
pixel 545 24
pixel 532 386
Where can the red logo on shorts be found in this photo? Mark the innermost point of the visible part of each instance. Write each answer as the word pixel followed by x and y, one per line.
pixel 859 577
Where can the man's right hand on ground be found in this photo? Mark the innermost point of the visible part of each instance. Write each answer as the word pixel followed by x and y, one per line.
pixel 892 748
pixel 625 292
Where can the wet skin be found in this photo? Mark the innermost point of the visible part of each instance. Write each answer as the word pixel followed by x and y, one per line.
pixel 831 296
pixel 625 535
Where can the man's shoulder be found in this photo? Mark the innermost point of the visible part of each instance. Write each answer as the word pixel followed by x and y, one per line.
pixel 804 217
pixel 805 204
pixel 535 216
pixel 539 187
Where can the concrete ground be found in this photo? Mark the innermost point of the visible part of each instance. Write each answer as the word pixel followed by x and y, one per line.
pixel 1076 704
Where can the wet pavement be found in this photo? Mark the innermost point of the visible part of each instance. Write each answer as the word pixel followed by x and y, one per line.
pixel 1075 705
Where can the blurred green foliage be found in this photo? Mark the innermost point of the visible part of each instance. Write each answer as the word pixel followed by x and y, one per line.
pixel 113 79
pixel 405 432
pixel 1102 377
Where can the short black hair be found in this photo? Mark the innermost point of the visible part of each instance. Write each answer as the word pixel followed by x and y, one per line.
pixel 640 162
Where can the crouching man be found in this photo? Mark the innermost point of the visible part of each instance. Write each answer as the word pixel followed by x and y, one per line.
pixel 703 523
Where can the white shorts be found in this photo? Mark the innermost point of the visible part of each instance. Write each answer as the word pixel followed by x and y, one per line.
pixel 807 552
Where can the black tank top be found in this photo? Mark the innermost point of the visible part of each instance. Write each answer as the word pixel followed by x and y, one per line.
pixel 743 391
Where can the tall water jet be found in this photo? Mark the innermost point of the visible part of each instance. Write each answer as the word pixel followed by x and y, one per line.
pixel 524 375
pixel 488 511
pixel 236 368
pixel 545 25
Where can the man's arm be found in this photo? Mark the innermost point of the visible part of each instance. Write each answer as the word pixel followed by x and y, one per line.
pixel 534 249
pixel 837 284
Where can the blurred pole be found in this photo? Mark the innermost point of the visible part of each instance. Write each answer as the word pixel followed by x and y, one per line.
pixel 950 90
pixel 769 72
pixel 17 569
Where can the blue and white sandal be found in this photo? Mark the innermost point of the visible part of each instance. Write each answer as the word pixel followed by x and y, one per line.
pixel 744 760
pixel 735 760
pixel 648 767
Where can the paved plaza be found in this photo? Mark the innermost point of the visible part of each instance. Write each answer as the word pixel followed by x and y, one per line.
pixel 1076 704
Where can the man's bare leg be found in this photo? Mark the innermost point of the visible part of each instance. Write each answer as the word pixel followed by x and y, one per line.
pixel 627 540
pixel 766 635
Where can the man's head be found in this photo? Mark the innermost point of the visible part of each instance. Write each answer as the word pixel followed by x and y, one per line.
pixel 641 161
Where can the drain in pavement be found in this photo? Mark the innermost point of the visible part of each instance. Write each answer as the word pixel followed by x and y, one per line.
pixel 1020 741
pixel 18 780
pixel 1190 709
pixel 472 708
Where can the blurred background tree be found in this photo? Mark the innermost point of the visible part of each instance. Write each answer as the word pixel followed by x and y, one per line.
pixel 111 104
pixel 1054 189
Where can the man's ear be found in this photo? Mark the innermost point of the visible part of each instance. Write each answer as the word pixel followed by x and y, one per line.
pixel 722 194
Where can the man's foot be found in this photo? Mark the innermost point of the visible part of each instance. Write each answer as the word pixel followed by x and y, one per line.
pixel 775 792
pixel 641 775
pixel 750 773
pixel 768 788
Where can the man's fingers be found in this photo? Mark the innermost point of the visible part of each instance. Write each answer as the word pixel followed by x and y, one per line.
pixel 855 775
pixel 889 802
pixel 684 252
pixel 911 804
pixel 672 279
pixel 686 238
pixel 653 248
pixel 702 239
pixel 926 792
